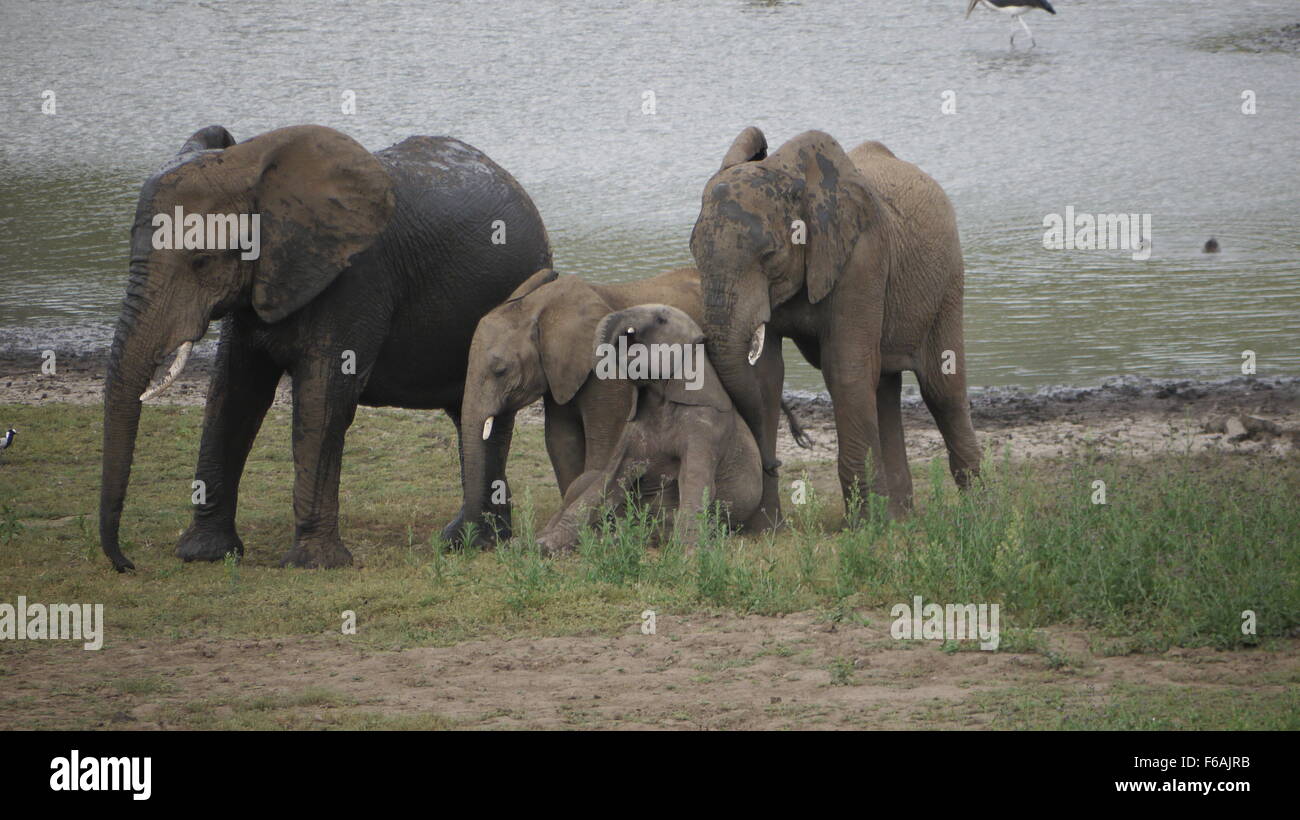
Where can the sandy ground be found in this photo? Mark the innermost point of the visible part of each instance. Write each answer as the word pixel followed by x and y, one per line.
pixel 696 672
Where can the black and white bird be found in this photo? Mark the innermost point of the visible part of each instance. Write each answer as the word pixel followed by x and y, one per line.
pixel 1015 8
pixel 8 439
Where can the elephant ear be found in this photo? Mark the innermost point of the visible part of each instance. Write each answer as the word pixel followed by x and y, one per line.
pixel 563 336
pixel 532 283
pixel 323 199
pixel 749 146
pixel 837 208
pixel 711 393
pixel 207 139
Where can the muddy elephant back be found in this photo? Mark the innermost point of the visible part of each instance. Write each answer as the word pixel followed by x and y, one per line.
pixel 477 199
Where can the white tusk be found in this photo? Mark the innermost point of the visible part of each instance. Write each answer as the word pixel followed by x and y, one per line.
pixel 487 427
pixel 756 344
pixel 182 356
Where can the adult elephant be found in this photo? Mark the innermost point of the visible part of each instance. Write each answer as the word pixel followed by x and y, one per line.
pixel 372 273
pixel 855 257
pixel 537 344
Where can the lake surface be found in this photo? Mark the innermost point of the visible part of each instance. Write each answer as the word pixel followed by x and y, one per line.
pixel 1122 107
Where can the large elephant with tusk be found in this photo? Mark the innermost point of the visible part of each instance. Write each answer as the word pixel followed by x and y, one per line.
pixel 362 275
pixel 855 257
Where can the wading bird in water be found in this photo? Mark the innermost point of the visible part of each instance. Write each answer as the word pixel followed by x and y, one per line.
pixel 1015 8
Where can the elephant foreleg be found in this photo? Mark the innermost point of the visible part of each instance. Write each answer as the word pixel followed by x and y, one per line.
pixel 239 394
pixel 696 492
pixel 324 404
pixel 853 386
pixel 566 442
pixel 593 491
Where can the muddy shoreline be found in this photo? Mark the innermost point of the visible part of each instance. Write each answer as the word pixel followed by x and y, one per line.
pixel 1134 414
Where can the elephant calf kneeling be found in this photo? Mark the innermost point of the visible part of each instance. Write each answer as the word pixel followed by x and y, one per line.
pixel 684 445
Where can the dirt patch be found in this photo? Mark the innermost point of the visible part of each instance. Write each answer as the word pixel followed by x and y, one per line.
pixel 697 672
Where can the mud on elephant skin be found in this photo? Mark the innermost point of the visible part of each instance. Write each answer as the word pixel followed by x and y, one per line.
pixel 684 444
pixel 373 270
pixel 537 345
pixel 855 257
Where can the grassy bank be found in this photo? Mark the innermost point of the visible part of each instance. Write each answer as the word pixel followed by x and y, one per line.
pixel 1183 546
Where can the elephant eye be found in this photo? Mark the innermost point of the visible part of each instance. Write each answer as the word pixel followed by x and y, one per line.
pixel 200 262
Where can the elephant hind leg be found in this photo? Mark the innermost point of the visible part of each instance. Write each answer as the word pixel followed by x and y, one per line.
pixel 945 396
pixel 893 449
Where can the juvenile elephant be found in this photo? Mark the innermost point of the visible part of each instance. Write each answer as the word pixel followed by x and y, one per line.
pixel 856 258
pixel 372 271
pixel 538 345
pixel 684 444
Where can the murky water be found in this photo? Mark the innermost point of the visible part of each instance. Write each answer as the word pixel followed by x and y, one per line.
pixel 1122 107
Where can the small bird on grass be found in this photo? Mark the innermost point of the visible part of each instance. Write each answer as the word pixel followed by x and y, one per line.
pixel 1015 8
pixel 8 439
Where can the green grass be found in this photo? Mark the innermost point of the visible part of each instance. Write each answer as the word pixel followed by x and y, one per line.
pixel 1130 707
pixel 1184 546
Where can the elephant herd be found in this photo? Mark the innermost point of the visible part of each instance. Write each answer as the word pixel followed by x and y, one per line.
pixel 420 276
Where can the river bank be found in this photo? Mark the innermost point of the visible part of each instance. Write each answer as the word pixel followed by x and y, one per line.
pixel 1136 415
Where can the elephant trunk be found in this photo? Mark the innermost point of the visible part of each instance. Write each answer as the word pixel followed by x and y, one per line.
pixel 479 425
pixel 151 325
pixel 131 362
pixel 730 358
pixel 735 340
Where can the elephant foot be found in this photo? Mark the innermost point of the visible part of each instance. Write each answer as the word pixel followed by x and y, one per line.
pixel 556 542
pixel 322 553
pixel 765 520
pixel 208 545
pixel 899 508
pixel 486 535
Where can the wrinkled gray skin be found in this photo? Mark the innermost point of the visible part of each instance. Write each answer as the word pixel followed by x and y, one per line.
pixel 875 289
pixel 680 449
pixel 537 345
pixel 387 257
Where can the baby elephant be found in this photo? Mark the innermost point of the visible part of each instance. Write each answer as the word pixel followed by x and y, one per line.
pixel 684 444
